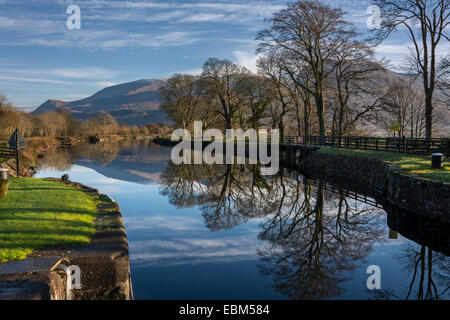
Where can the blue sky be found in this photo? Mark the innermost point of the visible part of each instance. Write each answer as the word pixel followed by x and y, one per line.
pixel 120 41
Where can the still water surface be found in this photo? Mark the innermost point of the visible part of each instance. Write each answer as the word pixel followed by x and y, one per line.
pixel 226 232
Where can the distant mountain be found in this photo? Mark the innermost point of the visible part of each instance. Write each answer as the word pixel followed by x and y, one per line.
pixel 135 103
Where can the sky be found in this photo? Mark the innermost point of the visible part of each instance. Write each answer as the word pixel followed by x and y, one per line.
pixel 120 41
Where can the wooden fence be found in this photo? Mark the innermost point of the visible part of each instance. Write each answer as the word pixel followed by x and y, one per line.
pixel 405 145
pixel 6 153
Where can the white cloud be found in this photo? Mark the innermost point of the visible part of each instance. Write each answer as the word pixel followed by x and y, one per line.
pixel 246 59
pixel 175 223
pixel 60 75
pixel 204 17
pixel 197 249
pixel 136 40
pixel 396 52
pixel 27 108
pixel 107 16
pixel 34 80
pixel 193 71
pixel 104 84
pixel 84 73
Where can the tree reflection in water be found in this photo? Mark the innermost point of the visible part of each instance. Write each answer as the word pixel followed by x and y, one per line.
pixel 312 248
pixel 426 268
pixel 311 237
pixel 228 195
pixel 64 158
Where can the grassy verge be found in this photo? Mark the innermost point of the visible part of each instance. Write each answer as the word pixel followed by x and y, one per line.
pixel 39 213
pixel 409 163
pixel 2 159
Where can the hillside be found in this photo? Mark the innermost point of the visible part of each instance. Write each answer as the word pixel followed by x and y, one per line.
pixel 135 103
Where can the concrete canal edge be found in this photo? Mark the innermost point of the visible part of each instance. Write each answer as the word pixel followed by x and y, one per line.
pixel 104 264
pixel 425 197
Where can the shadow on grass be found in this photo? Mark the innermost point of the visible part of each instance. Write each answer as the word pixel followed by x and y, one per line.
pixel 40 189
pixel 21 211
pixel 38 214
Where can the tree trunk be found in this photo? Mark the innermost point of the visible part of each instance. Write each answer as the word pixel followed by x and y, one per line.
pixel 320 103
pixel 228 123
pixel 341 122
pixel 281 127
pixel 299 121
pixel 429 114
pixel 306 115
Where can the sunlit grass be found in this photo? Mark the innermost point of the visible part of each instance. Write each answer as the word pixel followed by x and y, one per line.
pixel 38 213
pixel 409 163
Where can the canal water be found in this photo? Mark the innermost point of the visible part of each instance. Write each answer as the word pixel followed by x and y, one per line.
pixel 226 232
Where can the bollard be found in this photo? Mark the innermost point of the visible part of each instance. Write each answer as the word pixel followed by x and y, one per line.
pixel 437 160
pixel 4 182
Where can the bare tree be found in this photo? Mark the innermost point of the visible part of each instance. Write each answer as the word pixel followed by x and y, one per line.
pixel 404 103
pixel 107 123
pixel 426 22
pixel 355 82
pixel 255 93
pixel 300 76
pixel 444 79
pixel 180 99
pixel 272 67
pixel 311 32
pixel 221 78
pixel 8 117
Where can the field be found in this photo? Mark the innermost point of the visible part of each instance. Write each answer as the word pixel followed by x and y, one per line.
pixel 38 213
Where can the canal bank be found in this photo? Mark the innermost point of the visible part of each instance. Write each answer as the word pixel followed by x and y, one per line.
pixel 426 193
pixel 427 197
pixel 94 241
pixel 184 244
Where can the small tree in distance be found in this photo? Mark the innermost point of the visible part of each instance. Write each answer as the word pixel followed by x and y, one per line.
pixel 426 22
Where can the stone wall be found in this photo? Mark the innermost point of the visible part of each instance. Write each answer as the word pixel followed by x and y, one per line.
pixel 104 264
pixel 424 197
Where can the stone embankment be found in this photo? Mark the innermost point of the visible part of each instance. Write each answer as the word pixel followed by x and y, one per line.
pixel 425 197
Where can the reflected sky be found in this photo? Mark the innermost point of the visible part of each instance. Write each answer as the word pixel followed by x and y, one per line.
pixel 313 244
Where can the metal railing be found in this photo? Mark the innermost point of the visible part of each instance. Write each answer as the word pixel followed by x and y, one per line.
pixel 404 145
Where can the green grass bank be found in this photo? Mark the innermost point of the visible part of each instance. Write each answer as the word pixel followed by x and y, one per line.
pixel 411 164
pixel 39 213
